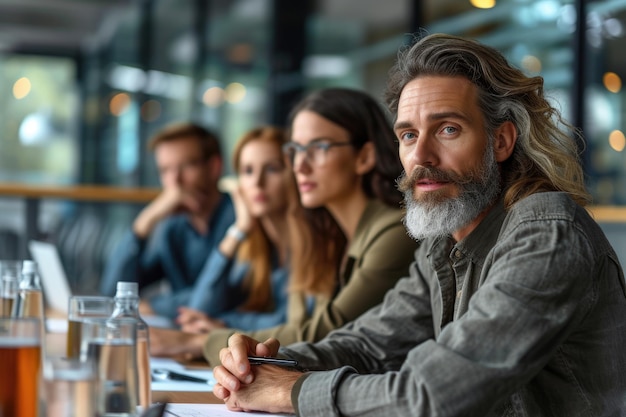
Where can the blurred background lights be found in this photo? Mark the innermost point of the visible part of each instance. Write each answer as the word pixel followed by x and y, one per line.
pixel 119 104
pixel 35 129
pixel 531 63
pixel 566 21
pixel 546 10
pixel 213 97
pixel 126 78
pixel 617 140
pixel 235 93
pixel 21 88
pixel 612 82
pixel 320 66
pixel 483 4
pixel 613 27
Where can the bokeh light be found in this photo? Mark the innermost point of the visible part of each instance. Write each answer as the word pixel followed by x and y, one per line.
pixel 483 4
pixel 531 63
pixel 617 140
pixel 21 88
pixel 213 97
pixel 235 92
pixel 119 104
pixel 612 82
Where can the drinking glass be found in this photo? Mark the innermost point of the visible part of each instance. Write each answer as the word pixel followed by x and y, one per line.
pixel 20 356
pixel 69 387
pixel 9 284
pixel 82 307
pixel 112 345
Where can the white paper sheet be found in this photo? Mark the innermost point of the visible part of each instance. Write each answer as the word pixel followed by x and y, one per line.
pixel 56 325
pixel 209 410
pixel 172 365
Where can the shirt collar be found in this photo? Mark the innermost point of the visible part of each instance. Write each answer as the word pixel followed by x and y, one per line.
pixel 481 240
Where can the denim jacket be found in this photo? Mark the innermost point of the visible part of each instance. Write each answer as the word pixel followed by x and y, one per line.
pixel 174 251
pixel 220 291
pixel 526 316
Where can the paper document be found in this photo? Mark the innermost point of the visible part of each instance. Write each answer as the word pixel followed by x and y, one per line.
pixel 56 325
pixel 172 365
pixel 209 410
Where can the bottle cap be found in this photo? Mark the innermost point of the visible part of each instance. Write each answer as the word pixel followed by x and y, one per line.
pixel 29 267
pixel 127 289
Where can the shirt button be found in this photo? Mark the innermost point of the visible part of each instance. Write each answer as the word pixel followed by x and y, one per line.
pixel 458 294
pixel 458 254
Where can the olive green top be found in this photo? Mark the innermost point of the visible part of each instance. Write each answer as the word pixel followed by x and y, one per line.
pixel 379 255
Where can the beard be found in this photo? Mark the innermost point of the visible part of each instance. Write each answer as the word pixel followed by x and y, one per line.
pixel 435 214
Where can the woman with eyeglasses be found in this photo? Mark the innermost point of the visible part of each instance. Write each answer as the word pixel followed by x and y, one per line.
pixel 344 157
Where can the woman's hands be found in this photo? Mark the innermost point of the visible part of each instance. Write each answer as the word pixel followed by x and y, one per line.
pixel 243 218
pixel 176 344
pixel 194 321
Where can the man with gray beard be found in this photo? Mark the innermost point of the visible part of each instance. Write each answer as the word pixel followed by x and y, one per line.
pixel 434 215
pixel 516 302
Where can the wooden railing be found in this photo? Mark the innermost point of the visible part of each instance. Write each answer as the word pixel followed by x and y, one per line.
pixel 95 193
pixel 33 194
pixel 608 214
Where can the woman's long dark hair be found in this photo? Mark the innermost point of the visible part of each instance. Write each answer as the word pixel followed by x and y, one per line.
pixel 361 116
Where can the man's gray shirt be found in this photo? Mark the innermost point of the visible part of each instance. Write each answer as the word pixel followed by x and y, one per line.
pixel 526 316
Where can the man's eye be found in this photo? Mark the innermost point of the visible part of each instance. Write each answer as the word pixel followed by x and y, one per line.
pixel 449 130
pixel 408 136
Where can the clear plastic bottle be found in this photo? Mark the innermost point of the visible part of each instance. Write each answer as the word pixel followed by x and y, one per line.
pixel 127 307
pixel 29 300
pixel 10 277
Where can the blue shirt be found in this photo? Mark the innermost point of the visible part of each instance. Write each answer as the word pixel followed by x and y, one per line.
pixel 219 291
pixel 174 251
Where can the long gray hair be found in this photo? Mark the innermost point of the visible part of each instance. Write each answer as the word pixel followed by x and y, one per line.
pixel 545 158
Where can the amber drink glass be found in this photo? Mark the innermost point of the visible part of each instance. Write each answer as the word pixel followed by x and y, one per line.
pixel 20 356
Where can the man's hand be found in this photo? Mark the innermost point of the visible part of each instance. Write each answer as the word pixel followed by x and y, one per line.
pixel 235 366
pixel 270 392
pixel 194 321
pixel 170 201
pixel 258 387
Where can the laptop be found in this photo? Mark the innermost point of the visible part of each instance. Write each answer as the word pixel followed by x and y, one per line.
pixel 54 283
pixel 56 289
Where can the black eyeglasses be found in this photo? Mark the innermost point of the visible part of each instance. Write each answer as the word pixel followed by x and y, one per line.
pixel 314 152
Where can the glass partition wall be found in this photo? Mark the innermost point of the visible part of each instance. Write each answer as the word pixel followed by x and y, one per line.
pixel 233 64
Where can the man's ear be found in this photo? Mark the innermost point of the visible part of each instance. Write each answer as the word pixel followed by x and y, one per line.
pixel 366 159
pixel 505 139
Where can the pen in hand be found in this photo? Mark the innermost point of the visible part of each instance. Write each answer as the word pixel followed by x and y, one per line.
pixel 261 360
